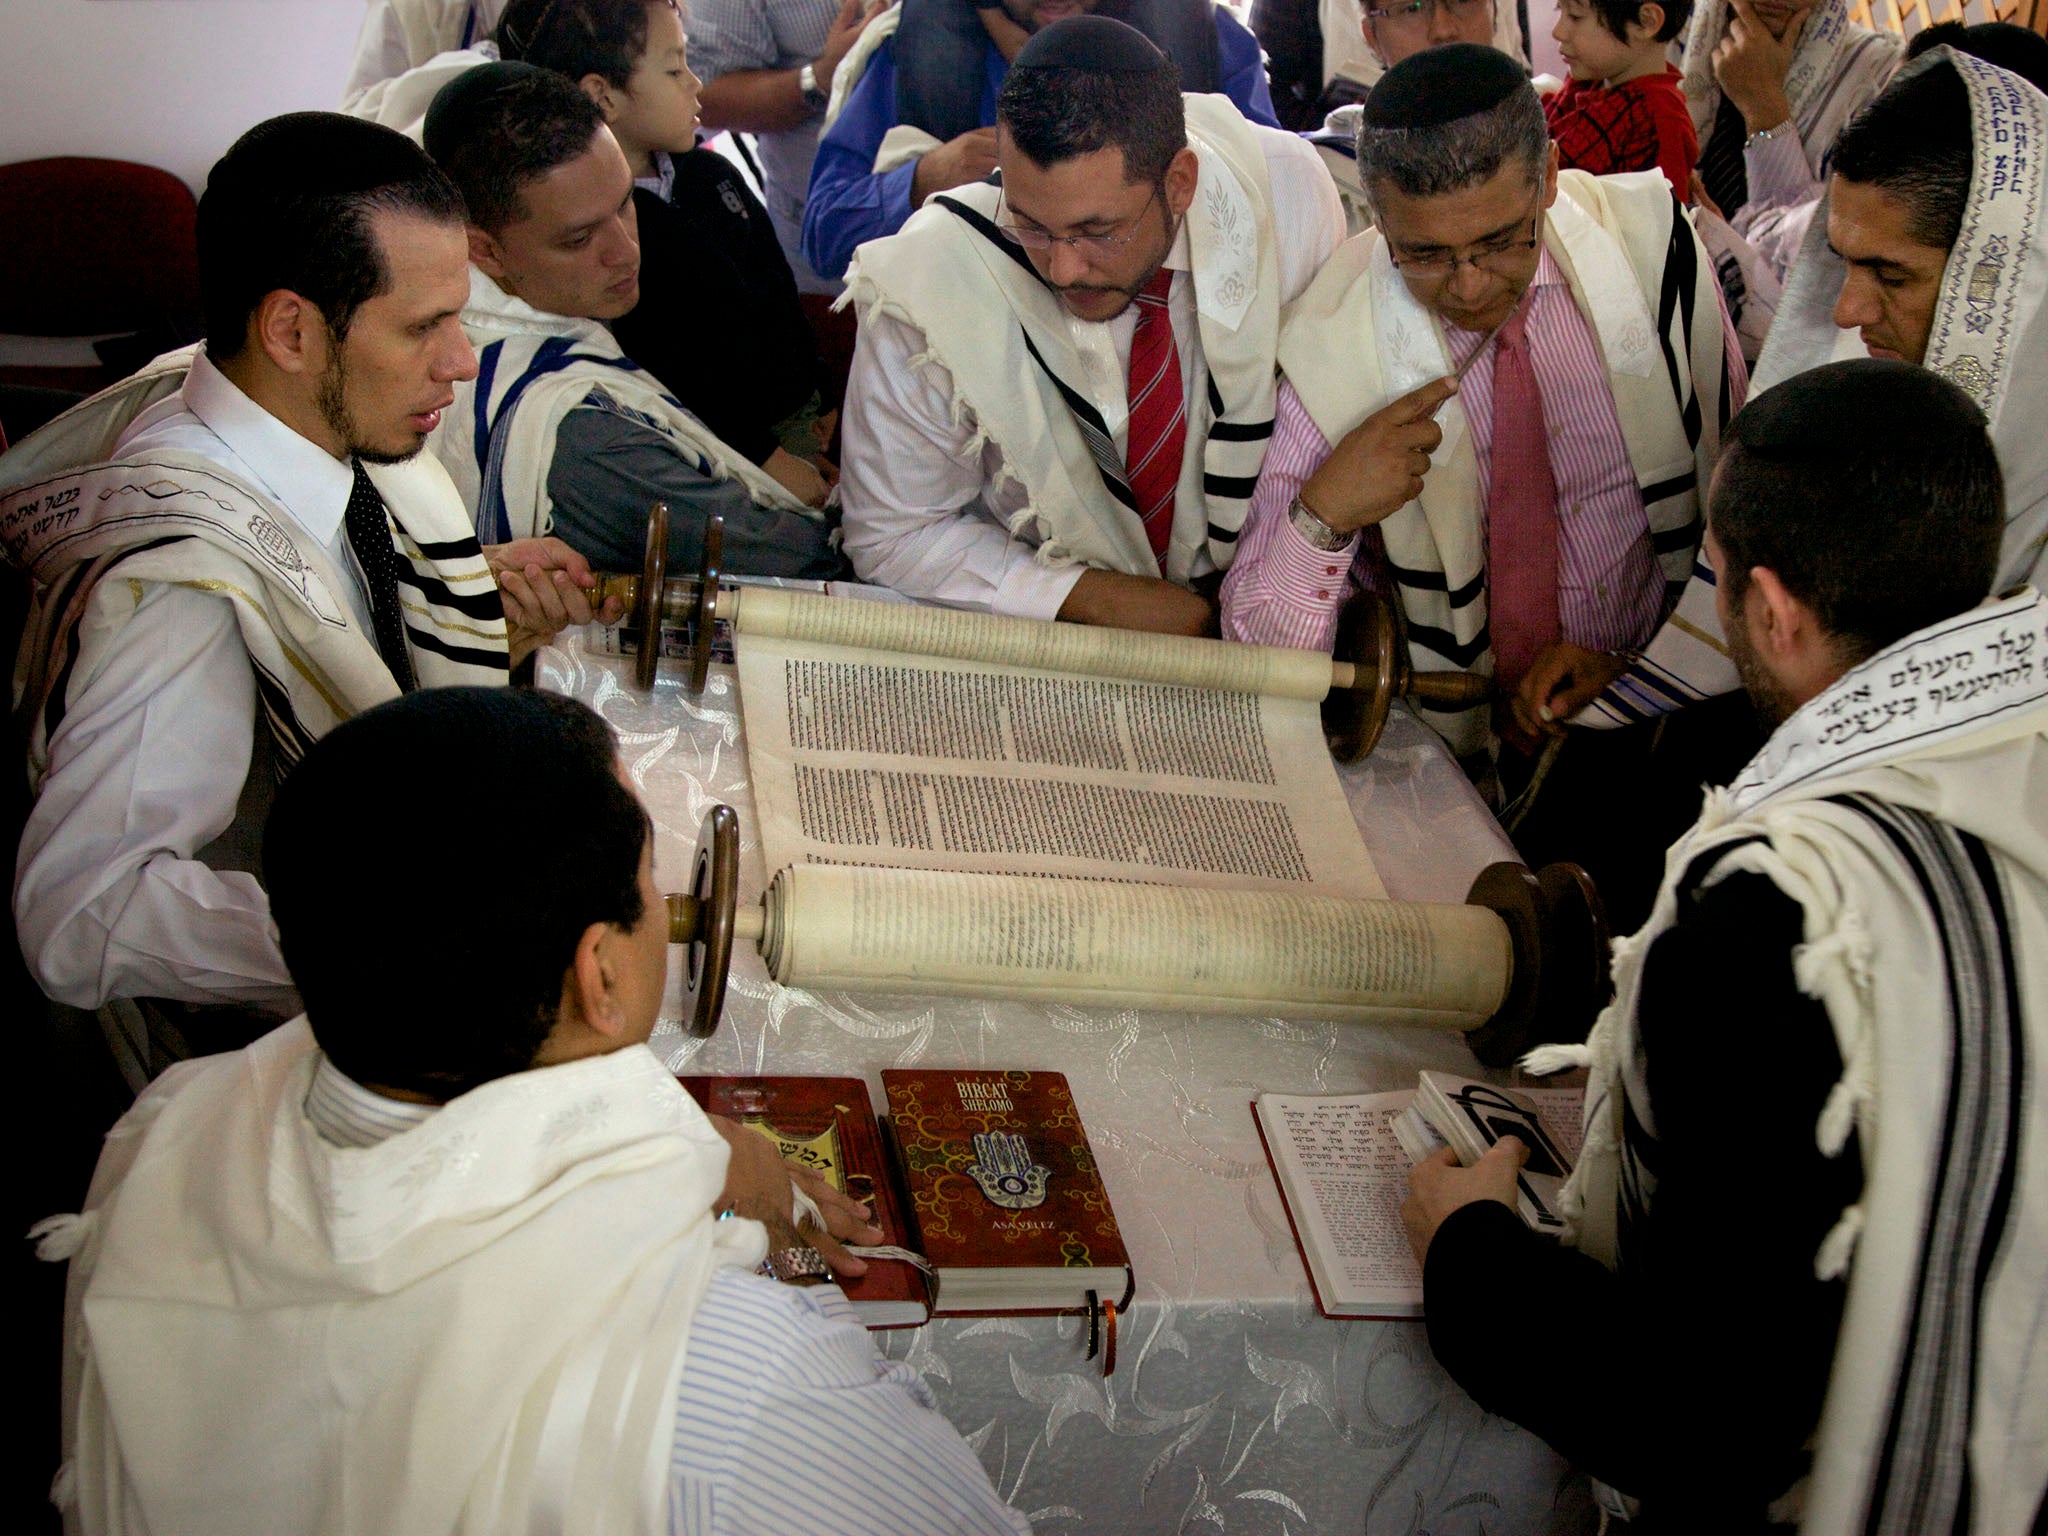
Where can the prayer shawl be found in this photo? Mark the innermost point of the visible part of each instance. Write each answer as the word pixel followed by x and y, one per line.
pixel 1009 347
pixel 1901 809
pixel 1638 276
pixel 1836 69
pixel 73 517
pixel 497 440
pixel 1990 321
pixel 477 1325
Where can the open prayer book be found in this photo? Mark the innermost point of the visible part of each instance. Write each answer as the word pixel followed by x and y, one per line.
pixel 1342 1162
pixel 962 803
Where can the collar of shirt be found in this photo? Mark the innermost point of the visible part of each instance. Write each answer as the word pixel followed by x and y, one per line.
pixel 346 1114
pixel 305 478
pixel 663 182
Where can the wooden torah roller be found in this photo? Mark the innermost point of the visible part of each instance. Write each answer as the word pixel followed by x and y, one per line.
pixel 656 601
pixel 1370 643
pixel 702 919
pixel 1532 947
pixel 1371 670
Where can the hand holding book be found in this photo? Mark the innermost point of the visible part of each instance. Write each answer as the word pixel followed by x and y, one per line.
pixel 1438 1186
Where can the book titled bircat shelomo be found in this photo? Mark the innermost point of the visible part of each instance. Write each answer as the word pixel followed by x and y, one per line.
pixel 1005 1197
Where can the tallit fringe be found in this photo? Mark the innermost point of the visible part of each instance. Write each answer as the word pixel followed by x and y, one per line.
pixel 868 301
pixel 1546 1059
pixel 57 1238
pixel 1831 1262
pixel 64 1486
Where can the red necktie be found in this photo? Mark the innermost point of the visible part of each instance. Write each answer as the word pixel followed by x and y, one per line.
pixel 1521 514
pixel 1159 415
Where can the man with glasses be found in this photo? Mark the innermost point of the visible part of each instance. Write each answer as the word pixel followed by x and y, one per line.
pixel 1064 387
pixel 1499 405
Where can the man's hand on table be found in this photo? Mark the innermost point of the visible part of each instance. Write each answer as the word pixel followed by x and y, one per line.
pixel 545 586
pixel 1116 601
pixel 758 1184
pixel 1438 1186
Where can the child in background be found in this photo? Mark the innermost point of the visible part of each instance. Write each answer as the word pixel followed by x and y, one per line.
pixel 719 321
pixel 1622 109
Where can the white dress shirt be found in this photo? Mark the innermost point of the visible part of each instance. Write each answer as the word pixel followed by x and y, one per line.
pixel 787 1419
pixel 922 514
pixel 150 762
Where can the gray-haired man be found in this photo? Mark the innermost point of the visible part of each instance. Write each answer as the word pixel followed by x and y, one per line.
pixel 1513 432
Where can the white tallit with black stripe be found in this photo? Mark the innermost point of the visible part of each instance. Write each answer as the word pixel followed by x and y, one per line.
pixel 1904 811
pixel 497 441
pixel 1990 323
pixel 1007 345
pixel 1358 340
pixel 93 531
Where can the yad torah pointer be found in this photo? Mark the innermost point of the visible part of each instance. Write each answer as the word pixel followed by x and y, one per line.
pixel 1372 671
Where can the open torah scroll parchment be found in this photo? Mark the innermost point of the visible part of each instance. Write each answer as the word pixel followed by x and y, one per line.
pixel 923 738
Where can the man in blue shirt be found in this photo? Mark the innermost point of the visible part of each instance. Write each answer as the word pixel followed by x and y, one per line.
pixel 933 88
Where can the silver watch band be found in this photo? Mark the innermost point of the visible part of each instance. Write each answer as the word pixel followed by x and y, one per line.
pixel 1765 135
pixel 807 82
pixel 791 1264
pixel 1320 535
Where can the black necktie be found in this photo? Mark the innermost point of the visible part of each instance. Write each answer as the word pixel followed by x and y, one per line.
pixel 1723 170
pixel 369 535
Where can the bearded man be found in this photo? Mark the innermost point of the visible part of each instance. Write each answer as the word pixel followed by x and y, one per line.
pixel 240 547
pixel 1824 1308
pixel 914 109
pixel 1063 387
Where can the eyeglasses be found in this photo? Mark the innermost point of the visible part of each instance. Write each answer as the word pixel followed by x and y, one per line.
pixel 1416 12
pixel 1094 248
pixel 1501 257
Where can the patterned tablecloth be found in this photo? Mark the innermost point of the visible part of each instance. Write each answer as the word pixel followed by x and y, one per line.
pixel 1235 1406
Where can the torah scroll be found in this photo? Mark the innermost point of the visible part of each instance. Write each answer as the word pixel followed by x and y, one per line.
pixel 925 738
pixel 1108 945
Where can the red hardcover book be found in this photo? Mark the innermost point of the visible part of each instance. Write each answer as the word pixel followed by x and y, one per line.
pixel 828 1124
pixel 1004 1192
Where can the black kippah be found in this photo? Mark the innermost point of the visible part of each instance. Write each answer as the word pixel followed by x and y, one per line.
pixel 1836 413
pixel 1441 85
pixel 1093 43
pixel 456 104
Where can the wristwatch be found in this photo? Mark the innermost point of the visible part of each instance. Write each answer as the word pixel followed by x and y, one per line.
pixel 793 1266
pixel 1320 535
pixel 1765 135
pixel 807 82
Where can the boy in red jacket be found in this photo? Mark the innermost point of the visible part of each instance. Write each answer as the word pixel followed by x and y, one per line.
pixel 1622 110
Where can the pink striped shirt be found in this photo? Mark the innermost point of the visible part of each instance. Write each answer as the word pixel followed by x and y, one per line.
pixel 1283 591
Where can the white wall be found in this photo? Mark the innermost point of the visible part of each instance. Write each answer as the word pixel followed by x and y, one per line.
pixel 1543 55
pixel 165 82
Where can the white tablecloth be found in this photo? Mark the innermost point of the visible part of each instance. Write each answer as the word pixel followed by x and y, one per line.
pixel 1235 1406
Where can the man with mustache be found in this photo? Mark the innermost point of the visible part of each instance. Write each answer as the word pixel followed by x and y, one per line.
pixel 266 554
pixel 1064 387
pixel 920 101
